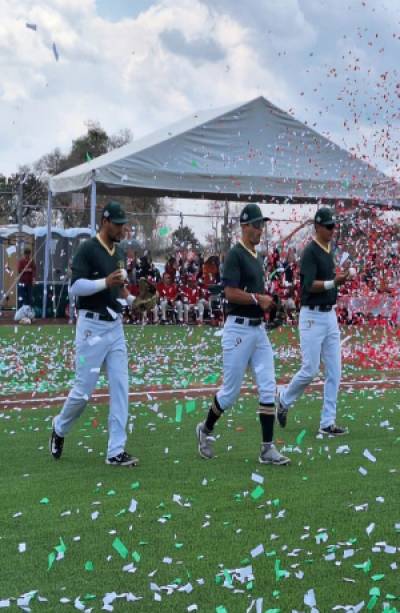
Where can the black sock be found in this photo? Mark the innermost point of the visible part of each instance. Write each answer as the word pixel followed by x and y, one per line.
pixel 267 426
pixel 213 416
pixel 211 420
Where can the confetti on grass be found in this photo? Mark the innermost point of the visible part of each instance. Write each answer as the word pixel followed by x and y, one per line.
pixel 120 548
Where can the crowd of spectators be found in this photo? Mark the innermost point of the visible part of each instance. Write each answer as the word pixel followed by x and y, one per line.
pixel 186 291
pixel 189 289
pixel 367 243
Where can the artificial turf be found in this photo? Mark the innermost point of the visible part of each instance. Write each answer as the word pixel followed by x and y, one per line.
pixel 316 529
pixel 196 521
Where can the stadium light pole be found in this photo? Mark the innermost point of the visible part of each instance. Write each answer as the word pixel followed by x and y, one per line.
pixel 20 197
pixel 47 254
pixel 93 205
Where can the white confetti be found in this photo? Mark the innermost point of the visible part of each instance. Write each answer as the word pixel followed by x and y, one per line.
pixel 367 454
pixel 257 551
pixel 133 506
pixel 309 598
pixel 370 528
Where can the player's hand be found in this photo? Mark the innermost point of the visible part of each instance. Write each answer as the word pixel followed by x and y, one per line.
pixel 115 278
pixel 341 278
pixel 265 301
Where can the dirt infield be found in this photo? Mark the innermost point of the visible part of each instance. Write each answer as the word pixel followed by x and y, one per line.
pixel 101 396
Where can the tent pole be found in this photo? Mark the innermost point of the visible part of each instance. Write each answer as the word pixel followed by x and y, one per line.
pixel 93 206
pixel 47 254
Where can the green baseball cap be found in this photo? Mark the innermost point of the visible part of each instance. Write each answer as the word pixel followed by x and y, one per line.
pixel 250 213
pixel 324 217
pixel 114 212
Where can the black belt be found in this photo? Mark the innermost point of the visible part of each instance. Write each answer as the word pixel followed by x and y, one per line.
pixel 98 316
pixel 324 308
pixel 247 321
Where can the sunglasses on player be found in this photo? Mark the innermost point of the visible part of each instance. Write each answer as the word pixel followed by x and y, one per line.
pixel 258 224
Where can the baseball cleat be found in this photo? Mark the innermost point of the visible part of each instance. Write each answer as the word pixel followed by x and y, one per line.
pixel 333 430
pixel 56 444
pixel 204 442
pixel 281 411
pixel 270 455
pixel 122 459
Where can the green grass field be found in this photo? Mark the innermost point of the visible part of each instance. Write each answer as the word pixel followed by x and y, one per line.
pixel 177 532
pixel 40 359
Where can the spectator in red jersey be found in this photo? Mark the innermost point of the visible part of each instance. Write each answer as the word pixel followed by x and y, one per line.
pixel 193 299
pixel 27 272
pixel 168 297
pixel 210 273
pixel 171 268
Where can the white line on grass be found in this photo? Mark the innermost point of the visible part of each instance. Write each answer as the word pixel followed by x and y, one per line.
pixel 182 391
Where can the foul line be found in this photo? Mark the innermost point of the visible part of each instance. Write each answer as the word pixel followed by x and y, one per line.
pixel 183 391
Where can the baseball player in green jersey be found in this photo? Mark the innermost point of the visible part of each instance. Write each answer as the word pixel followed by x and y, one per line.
pixel 97 281
pixel 245 341
pixel 318 326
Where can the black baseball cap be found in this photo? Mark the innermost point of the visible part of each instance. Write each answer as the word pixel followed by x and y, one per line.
pixel 114 212
pixel 324 217
pixel 251 213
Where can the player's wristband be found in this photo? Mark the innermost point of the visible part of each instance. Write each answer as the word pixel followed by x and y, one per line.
pixel 254 298
pixel 329 284
pixel 130 299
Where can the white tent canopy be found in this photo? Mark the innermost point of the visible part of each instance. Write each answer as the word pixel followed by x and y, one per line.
pixel 252 151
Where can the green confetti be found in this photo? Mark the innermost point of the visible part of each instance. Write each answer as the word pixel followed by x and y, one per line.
pixel 257 492
pixel 375 591
pixel 136 556
pixel 228 577
pixel 178 414
pixel 44 501
pixel 111 493
pixel 212 378
pixel 89 597
pixel 89 566
pixel 61 548
pixel 135 485
pixel 51 559
pixel 280 573
pixel 299 437
pixel 120 547
pixel 321 538
pixel 221 609
pixel 372 603
pixel 190 406
pixel 365 566
pixel 378 577
pixel 163 231
pixel 194 163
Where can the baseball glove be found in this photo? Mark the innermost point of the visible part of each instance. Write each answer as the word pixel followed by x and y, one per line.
pixel 147 297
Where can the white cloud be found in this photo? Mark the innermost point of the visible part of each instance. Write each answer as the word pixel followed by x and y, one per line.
pixel 181 55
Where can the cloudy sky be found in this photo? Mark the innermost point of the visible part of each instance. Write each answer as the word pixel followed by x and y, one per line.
pixel 141 64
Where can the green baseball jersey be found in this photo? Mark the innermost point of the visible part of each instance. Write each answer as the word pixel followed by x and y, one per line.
pixel 316 265
pixel 244 271
pixel 93 261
